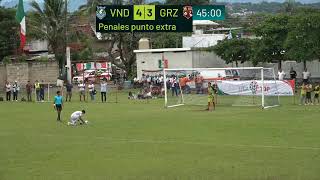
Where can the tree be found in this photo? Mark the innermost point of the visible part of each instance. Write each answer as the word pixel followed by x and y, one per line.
pixel 273 32
pixel 9 37
pixel 234 50
pixel 48 23
pixel 303 42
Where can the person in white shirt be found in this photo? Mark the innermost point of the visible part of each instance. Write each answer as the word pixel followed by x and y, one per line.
pixel 306 75
pixel 281 75
pixel 82 91
pixel 174 88
pixel 8 91
pixel 77 116
pixel 91 90
pixel 15 90
pixel 103 90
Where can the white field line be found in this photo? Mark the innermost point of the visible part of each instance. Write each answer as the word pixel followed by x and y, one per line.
pixel 150 141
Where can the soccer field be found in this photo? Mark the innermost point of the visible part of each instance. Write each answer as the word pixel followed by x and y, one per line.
pixel 144 141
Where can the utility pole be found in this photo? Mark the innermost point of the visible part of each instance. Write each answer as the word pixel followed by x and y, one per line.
pixel 67 49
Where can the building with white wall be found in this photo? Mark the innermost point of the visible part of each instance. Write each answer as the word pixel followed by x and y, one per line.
pixel 151 59
pixel 148 60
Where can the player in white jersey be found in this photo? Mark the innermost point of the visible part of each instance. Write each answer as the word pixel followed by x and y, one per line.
pixel 77 116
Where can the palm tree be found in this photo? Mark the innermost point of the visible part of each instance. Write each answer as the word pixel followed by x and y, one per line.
pixel 49 23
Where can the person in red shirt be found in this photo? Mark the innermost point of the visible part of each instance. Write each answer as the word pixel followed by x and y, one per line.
pixel 199 82
pixel 183 84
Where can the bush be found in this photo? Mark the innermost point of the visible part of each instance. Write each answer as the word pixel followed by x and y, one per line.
pixel 43 59
pixel 22 58
pixel 6 60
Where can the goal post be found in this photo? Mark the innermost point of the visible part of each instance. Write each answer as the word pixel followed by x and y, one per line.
pixel 243 86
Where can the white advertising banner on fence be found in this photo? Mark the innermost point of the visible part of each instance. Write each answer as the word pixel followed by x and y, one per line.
pixel 271 88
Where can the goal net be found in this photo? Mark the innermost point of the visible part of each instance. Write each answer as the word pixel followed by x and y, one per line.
pixel 251 86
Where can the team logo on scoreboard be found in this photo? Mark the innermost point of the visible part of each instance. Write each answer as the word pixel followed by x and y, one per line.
pixel 101 12
pixel 187 12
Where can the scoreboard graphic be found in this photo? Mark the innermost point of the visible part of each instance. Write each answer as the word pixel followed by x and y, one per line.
pixel 153 18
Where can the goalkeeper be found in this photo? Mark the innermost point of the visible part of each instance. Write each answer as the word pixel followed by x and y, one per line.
pixel 211 92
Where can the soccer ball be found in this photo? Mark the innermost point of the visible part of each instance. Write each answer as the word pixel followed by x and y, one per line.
pixel 68 123
pixel 86 122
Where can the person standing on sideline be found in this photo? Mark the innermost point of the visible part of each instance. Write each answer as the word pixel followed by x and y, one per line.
pixel 293 74
pixel 308 95
pixel 199 81
pixel 316 94
pixel 303 93
pixel 211 97
pixel 281 75
pixel 103 89
pixel 15 90
pixel 91 90
pixel 29 91
pixel 58 104
pixel 174 84
pixel 82 90
pixel 42 86
pixel 69 87
pixel 306 76
pixel 37 88
pixel 8 91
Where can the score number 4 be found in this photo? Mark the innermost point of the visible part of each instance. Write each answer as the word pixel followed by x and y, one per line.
pixel 144 12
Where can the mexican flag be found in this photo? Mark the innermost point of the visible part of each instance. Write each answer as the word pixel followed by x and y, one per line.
pixel 21 18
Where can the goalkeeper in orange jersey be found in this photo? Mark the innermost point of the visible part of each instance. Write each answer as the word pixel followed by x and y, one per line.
pixel 211 92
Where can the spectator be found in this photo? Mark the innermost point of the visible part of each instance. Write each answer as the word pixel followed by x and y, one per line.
pixel 281 75
pixel 37 88
pixel 303 94
pixel 82 92
pixel 91 90
pixel 306 75
pixel 69 87
pixel 148 80
pixel 42 86
pixel 183 84
pixel 293 74
pixel 316 94
pixel 174 84
pixel 308 95
pixel 8 91
pixel 103 90
pixel 199 82
pixel 131 95
pixel 15 90
pixel 29 91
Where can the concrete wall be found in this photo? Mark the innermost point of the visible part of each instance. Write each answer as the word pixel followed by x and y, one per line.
pixel 203 59
pixel 48 72
pixel 150 60
pixel 18 72
pixel 3 75
pixel 22 72
pixel 202 40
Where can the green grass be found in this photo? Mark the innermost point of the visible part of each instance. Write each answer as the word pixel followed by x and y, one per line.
pixel 142 140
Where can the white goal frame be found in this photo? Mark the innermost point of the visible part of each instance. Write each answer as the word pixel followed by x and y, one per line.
pixel 232 68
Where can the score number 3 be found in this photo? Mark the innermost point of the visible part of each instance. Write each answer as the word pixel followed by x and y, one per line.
pixel 144 12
